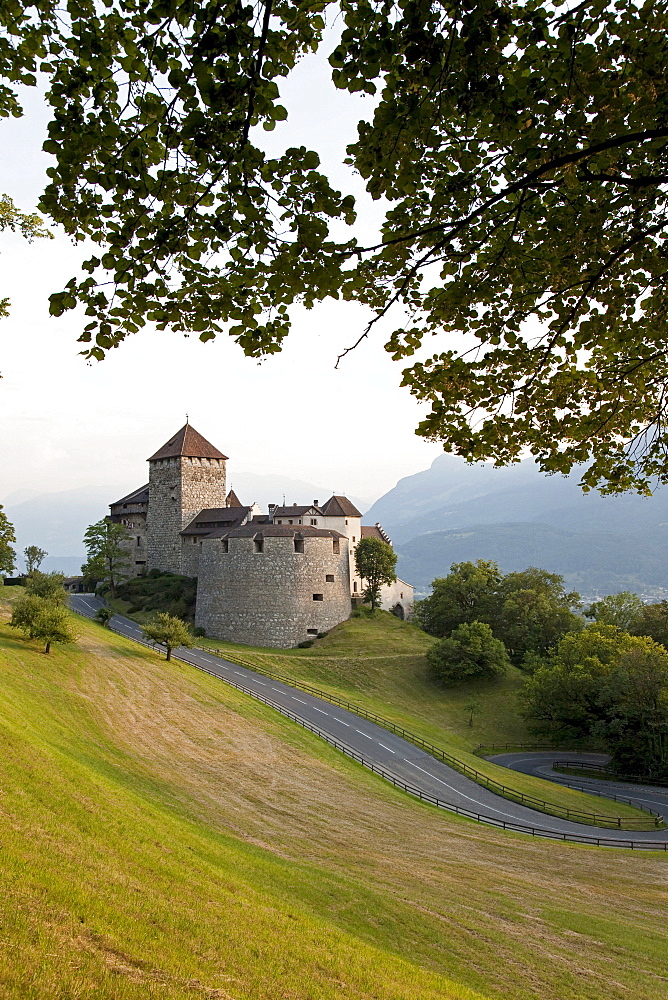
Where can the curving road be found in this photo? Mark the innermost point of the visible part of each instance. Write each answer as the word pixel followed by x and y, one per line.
pixel 539 764
pixel 390 755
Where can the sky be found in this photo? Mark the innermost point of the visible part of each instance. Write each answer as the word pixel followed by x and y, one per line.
pixel 71 424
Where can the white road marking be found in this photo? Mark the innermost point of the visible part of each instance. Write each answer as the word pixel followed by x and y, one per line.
pixel 263 684
pixel 299 700
pixel 341 721
pixel 457 792
pixel 364 734
pixel 318 710
pixel 386 748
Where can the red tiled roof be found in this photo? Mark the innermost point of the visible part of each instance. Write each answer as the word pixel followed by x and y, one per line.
pixel 188 443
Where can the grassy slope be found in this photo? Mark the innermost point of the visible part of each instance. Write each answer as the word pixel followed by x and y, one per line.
pixel 379 663
pixel 164 836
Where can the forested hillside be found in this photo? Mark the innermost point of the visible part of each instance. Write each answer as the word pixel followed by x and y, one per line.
pixel 519 517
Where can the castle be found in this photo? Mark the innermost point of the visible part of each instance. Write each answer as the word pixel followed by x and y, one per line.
pixel 268 579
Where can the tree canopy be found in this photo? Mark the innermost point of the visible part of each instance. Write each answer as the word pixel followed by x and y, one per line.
pixel 522 153
pixel 529 611
pixel 108 558
pixel 43 618
pixel 47 585
pixel 34 556
pixel 168 631
pixel 375 561
pixel 609 685
pixel 471 651
pixel 7 536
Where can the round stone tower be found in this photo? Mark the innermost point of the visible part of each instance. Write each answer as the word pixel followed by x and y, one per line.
pixel 272 584
pixel 186 475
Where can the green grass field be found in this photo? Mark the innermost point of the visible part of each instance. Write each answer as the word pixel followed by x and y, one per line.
pixel 379 663
pixel 165 836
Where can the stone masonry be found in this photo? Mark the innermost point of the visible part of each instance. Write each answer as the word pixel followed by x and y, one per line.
pixel 273 587
pixel 272 579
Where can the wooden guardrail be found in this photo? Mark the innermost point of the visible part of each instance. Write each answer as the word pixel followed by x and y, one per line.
pixel 506 791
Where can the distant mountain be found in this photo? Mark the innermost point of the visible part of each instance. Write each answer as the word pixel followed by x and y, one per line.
pixel 452 494
pixel 519 517
pixel 57 521
pixel 591 562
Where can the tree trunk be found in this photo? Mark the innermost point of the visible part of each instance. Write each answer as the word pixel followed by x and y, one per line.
pixel 169 652
pixel 48 646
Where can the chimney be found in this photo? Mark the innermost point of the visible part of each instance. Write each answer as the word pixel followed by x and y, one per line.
pixel 316 503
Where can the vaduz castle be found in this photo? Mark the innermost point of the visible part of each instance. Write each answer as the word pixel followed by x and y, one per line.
pixel 269 579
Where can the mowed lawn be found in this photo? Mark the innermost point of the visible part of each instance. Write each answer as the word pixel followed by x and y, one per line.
pixel 164 836
pixel 379 663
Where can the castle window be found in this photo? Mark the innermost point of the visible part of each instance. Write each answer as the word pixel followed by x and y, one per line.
pixel 355 586
pixel 353 538
pixel 329 578
pixel 311 631
pixel 346 520
pixel 291 522
pixel 138 539
pixel 318 597
pixel 314 520
pixel 194 539
pixel 299 544
pixel 335 546
pixel 401 596
pixel 258 545
pixel 224 544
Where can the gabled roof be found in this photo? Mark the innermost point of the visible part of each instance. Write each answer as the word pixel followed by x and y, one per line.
pixel 216 517
pixel 338 506
pixel 375 531
pixel 139 496
pixel 188 443
pixel 295 511
pixel 233 500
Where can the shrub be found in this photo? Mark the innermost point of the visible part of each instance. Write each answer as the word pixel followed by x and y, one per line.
pixel 470 651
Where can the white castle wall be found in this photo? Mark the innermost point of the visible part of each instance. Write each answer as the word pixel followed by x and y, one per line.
pixel 266 598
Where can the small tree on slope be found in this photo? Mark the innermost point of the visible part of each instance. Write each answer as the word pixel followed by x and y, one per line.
pixel 169 631
pixel 34 557
pixel 43 619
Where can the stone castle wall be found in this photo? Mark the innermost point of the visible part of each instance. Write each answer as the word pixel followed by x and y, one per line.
pixel 267 598
pixel 191 550
pixel 178 489
pixel 133 520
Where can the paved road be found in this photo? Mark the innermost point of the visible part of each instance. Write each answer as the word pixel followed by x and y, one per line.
pixel 540 765
pixel 396 758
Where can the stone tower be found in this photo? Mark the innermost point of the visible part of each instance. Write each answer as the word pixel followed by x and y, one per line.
pixel 185 476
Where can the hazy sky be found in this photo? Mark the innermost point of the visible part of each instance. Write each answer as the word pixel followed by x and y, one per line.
pixel 70 424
